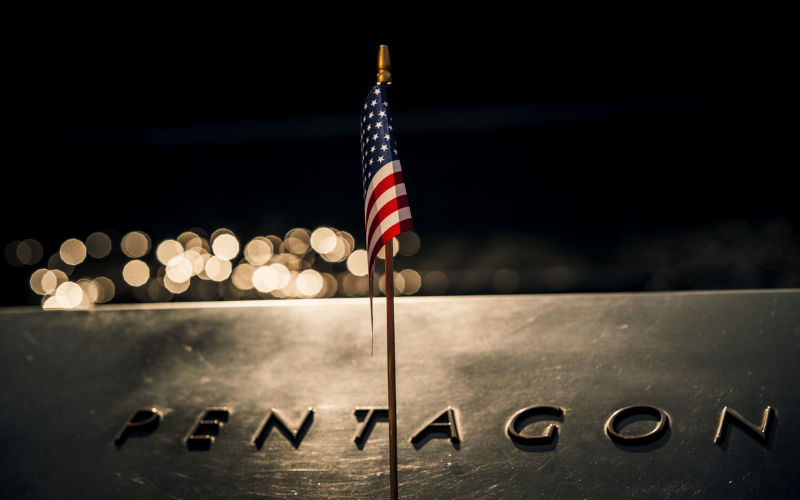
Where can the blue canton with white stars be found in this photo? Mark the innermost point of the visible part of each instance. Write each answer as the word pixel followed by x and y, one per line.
pixel 377 139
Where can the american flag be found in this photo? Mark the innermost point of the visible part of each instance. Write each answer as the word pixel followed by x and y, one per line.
pixel 386 212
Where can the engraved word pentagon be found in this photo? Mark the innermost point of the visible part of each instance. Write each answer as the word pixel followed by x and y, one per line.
pixel 444 425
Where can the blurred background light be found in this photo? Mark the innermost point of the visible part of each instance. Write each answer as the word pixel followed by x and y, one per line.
pixel 168 250
pixel 297 241
pixel 105 289
pixel 136 273
pixel 225 246
pixel 72 252
pixel 309 283
pixel 98 245
pixel 395 249
pixel 218 269
pixel 357 263
pixel 258 251
pixel 69 295
pixel 267 278
pixel 135 244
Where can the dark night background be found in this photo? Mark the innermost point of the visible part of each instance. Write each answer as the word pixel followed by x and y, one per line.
pixel 645 153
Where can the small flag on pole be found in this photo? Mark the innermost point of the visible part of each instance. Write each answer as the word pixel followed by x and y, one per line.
pixel 386 212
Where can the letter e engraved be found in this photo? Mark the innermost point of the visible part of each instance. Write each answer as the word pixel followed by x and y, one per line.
pixel 760 433
pixel 513 427
pixel 274 419
pixel 443 425
pixel 659 430
pixel 368 415
pixel 143 421
pixel 206 427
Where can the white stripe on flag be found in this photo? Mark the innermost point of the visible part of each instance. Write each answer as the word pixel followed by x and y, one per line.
pixel 382 173
pixel 387 196
pixel 389 221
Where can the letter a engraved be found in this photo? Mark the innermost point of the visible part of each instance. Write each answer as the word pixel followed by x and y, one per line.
pixel 729 415
pixel 368 415
pixel 274 419
pixel 206 427
pixel 143 421
pixel 445 424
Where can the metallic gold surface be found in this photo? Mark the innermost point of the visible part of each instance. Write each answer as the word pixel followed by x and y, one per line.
pixel 72 381
pixel 384 65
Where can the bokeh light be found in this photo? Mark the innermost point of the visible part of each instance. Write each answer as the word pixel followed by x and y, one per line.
pixel 323 240
pixel 135 244
pixel 397 280
pixel 136 273
pixel 175 287
pixel 98 245
pixel 36 281
pixel 180 269
pixel 395 249
pixel 242 276
pixel 157 293
pixel 304 264
pixel 26 252
pixel 408 243
pixel 258 251
pixel 52 279
pixel 55 262
pixel 168 250
pixel 297 241
pixel 72 252
pixel 225 246
pixel 69 295
pixel 105 289
pixel 218 269
pixel 354 286
pixel 89 290
pixel 329 285
pixel 357 263
pixel 309 283
pixel 266 278
pixel 412 281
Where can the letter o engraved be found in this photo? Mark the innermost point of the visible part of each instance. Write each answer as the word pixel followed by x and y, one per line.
pixel 659 430
pixel 513 430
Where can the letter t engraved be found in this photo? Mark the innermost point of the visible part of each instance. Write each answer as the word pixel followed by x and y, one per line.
pixel 729 415
pixel 368 415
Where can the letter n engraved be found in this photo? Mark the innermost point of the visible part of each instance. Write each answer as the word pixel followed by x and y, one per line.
pixel 368 415
pixel 206 427
pixel 274 419
pixel 443 425
pixel 144 421
pixel 733 416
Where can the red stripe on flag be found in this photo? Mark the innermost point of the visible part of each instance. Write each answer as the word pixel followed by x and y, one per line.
pixel 390 207
pixel 401 227
pixel 389 181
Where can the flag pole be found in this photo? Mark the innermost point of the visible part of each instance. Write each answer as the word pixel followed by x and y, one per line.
pixel 385 75
pixel 390 366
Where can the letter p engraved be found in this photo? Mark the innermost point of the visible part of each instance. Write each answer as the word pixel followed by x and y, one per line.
pixel 144 421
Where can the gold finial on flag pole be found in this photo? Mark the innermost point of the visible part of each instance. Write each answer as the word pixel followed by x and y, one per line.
pixel 384 65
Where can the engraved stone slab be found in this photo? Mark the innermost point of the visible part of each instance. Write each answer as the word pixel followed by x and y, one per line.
pixel 282 399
